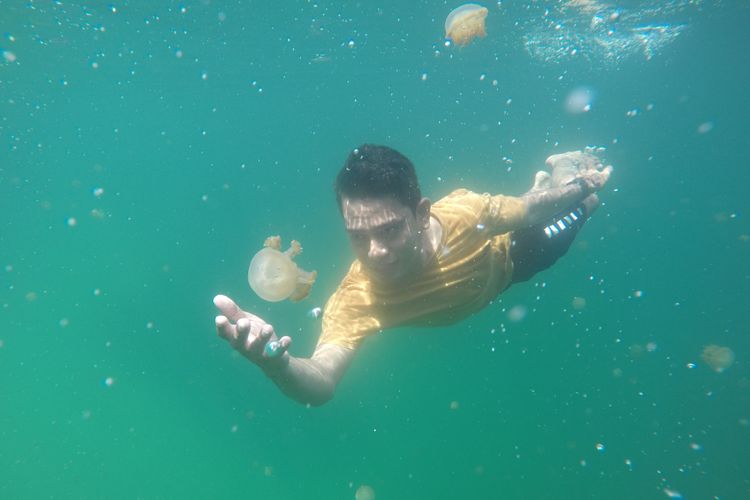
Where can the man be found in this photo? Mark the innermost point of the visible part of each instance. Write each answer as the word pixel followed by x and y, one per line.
pixel 420 264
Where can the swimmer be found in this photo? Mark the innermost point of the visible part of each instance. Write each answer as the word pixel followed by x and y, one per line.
pixel 406 247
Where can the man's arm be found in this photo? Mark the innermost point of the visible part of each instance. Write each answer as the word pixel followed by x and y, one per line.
pixel 314 380
pixel 308 381
pixel 575 176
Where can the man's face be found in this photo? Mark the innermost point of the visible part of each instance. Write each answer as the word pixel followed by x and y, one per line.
pixel 386 236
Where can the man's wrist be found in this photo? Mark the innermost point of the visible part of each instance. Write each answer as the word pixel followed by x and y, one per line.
pixel 276 368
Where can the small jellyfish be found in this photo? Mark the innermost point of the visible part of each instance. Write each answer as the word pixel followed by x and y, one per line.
pixel 717 357
pixel 465 23
pixel 364 492
pixel 274 276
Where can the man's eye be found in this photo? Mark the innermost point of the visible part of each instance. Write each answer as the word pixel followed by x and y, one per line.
pixel 390 231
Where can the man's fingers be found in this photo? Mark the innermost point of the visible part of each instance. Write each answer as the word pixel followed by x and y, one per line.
pixel 285 342
pixel 281 346
pixel 228 308
pixel 259 340
pixel 225 329
pixel 245 333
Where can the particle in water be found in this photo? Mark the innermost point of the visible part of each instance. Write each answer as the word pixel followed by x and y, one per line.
pixel 98 192
pixel 454 405
pixel 424 77
pixel 64 322
pixel 71 222
pixel 696 447
pixel 517 313
pixel 672 493
pixel 98 213
pixel 579 303
pixel 314 313
pixel 638 294
pixel 109 382
pixel 705 127
pixel 579 100
pixel 9 56
pixel 600 447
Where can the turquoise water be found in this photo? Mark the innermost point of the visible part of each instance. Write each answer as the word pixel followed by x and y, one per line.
pixel 147 151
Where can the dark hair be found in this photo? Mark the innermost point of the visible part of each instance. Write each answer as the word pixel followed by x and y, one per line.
pixel 373 171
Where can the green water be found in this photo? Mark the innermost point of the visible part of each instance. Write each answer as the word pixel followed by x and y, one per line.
pixel 209 125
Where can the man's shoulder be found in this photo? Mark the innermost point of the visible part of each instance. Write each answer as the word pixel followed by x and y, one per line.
pixel 460 196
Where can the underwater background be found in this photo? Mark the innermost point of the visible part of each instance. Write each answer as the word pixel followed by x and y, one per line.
pixel 147 149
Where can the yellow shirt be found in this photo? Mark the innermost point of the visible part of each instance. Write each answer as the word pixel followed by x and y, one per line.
pixel 470 268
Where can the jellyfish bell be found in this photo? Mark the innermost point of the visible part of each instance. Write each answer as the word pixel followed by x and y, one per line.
pixel 274 276
pixel 465 23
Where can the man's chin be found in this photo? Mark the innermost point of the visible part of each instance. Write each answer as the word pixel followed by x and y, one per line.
pixel 386 275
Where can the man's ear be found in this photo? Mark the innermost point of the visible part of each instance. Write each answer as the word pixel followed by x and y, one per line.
pixel 423 213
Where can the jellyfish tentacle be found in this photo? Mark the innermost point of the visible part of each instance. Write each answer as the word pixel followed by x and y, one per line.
pixel 273 242
pixel 305 281
pixel 294 249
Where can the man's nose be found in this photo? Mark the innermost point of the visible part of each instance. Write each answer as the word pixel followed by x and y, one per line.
pixel 377 250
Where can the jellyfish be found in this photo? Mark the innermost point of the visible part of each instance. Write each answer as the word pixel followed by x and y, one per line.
pixel 274 276
pixel 466 22
pixel 717 357
pixel 364 492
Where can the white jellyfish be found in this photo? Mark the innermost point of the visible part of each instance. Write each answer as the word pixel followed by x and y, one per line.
pixel 717 357
pixel 465 23
pixel 274 276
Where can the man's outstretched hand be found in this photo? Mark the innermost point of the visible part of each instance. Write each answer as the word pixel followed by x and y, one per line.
pixel 579 166
pixel 574 166
pixel 249 334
